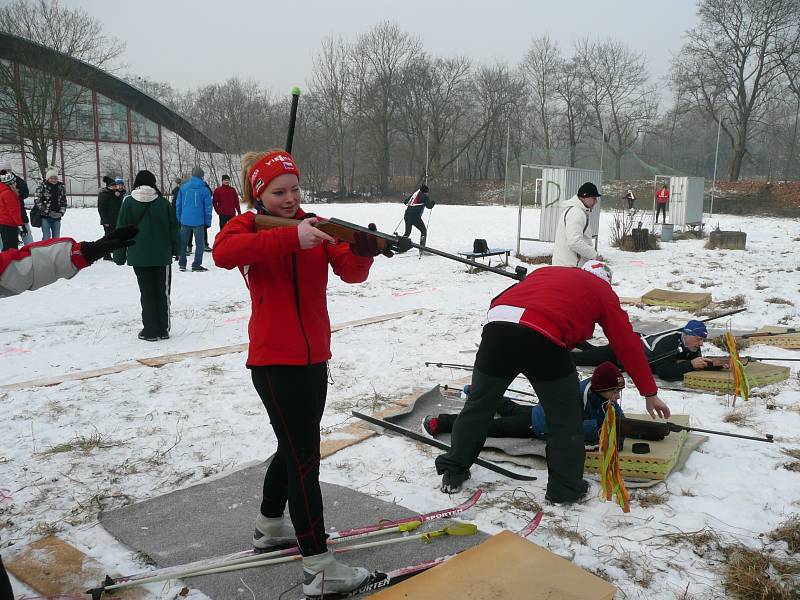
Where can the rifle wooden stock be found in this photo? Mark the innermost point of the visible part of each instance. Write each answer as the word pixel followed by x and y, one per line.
pixel 336 230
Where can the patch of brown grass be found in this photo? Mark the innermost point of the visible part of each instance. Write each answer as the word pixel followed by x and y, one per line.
pixel 793 452
pixel 789 532
pixel 561 531
pixel 755 575
pixel 641 574
pixel 648 498
pixel 792 466
pixel 778 300
pixel 535 260
pixel 738 301
pixel 737 417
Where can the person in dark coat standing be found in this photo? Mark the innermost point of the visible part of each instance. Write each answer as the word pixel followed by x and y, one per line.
pixel 109 201
pixel 151 257
pixel 51 200
pixel 225 201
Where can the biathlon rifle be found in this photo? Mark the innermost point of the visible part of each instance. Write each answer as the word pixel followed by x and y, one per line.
pixel 658 430
pixel 706 320
pixel 346 231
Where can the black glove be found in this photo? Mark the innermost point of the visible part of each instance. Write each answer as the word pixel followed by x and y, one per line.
pixel 403 244
pixel 366 244
pixel 119 238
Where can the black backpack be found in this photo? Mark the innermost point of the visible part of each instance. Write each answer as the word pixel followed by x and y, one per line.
pixel 479 246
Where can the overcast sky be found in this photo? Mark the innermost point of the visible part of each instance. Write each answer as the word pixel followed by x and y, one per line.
pixel 193 43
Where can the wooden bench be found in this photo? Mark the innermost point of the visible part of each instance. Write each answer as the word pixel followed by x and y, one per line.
pixel 503 252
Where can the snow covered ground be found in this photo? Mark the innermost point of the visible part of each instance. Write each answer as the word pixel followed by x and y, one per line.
pixel 156 430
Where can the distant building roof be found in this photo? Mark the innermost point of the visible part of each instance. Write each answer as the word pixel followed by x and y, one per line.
pixel 36 56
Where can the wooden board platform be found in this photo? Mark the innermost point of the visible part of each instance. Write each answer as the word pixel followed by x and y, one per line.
pixel 789 339
pixel 55 569
pixel 504 566
pixel 682 300
pixel 657 464
pixel 758 374
pixel 160 361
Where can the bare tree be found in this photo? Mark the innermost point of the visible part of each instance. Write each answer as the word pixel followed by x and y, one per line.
pixel 385 50
pixel 332 80
pixel 572 113
pixel 45 103
pixel 617 93
pixel 732 59
pixel 540 69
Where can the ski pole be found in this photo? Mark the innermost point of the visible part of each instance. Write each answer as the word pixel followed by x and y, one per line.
pixel 396 227
pixel 292 118
pixel 766 358
pixel 513 391
pixel 455 529
pixel 706 320
pixel 249 556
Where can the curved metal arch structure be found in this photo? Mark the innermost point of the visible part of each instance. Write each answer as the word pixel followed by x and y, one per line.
pixel 36 56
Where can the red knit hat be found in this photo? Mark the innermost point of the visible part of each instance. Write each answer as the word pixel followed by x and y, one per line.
pixel 607 377
pixel 268 168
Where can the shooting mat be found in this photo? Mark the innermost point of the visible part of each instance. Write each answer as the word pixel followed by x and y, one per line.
pixel 758 375
pixel 683 300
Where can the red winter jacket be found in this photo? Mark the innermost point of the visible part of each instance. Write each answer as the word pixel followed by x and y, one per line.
pixel 9 207
pixel 564 304
pixel 662 196
pixel 225 201
pixel 289 324
pixel 39 264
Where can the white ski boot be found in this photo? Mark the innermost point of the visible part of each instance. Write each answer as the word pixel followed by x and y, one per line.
pixel 272 533
pixel 323 574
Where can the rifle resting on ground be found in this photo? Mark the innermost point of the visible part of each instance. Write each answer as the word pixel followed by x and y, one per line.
pixel 346 231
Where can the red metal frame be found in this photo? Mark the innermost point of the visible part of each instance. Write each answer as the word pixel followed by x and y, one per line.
pixel 130 147
pixel 96 119
pixel 161 156
pixel 18 80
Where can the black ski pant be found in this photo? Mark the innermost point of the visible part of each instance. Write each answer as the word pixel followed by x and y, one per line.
pixel 106 230
pixel 414 219
pixel 6 593
pixel 506 350
pixel 223 219
pixel 294 397
pixel 631 201
pixel 154 289
pixel 592 356
pixel 9 235
pixel 514 421
pixel 661 208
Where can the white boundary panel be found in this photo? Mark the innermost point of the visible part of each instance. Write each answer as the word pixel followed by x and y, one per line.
pixel 560 184
pixel 685 198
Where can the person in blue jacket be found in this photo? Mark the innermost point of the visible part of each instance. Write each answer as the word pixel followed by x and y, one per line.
pixel 525 420
pixel 193 209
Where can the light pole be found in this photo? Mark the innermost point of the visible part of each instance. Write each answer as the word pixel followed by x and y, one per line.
pixel 716 155
pixel 602 144
pixel 505 173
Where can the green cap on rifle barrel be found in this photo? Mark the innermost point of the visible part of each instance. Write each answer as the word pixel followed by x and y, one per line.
pixel 295 91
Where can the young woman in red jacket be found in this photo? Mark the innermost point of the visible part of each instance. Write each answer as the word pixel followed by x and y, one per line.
pixel 286 270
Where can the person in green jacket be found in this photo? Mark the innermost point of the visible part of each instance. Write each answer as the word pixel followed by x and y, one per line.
pixel 157 242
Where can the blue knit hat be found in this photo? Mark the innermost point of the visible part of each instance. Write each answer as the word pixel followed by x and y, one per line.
pixel 695 327
pixel 119 180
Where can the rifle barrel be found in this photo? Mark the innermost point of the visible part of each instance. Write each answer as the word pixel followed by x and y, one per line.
pixel 773 358
pixel 767 438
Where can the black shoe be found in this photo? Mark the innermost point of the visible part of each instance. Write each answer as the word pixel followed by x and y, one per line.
pixel 208 249
pixel 181 268
pixel 199 269
pixel 452 481
pixel 147 338
pixel 569 500
pixel 163 336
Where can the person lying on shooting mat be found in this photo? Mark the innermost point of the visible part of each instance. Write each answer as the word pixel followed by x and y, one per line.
pixel 517 420
pixel 671 354
pixel 530 330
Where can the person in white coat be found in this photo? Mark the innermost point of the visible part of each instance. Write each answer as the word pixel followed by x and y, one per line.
pixel 573 245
